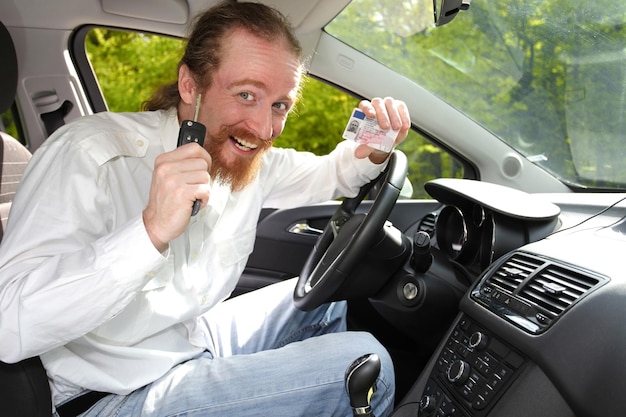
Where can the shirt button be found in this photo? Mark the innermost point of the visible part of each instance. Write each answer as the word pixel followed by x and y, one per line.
pixel 203 299
pixel 140 143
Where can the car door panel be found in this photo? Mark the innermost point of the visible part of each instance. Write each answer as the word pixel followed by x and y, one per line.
pixel 286 237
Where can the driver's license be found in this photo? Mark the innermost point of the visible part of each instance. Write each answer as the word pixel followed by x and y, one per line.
pixel 363 129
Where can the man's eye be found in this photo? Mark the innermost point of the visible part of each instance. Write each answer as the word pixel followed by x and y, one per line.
pixel 246 96
pixel 281 106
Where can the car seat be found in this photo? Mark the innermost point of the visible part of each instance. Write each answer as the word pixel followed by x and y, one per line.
pixel 13 160
pixel 24 388
pixel 13 155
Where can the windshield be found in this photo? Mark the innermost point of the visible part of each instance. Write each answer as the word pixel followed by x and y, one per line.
pixel 548 77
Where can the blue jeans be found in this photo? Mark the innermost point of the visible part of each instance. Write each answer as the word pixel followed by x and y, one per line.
pixel 265 358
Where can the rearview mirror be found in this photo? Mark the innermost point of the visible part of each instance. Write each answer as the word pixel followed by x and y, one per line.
pixel 446 10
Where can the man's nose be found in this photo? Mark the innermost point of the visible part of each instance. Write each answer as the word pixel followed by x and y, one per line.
pixel 261 123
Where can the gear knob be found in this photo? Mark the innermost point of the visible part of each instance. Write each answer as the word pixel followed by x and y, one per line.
pixel 361 383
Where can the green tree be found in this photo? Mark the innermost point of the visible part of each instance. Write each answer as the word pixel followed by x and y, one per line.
pixel 541 74
pixel 129 66
pixel 318 120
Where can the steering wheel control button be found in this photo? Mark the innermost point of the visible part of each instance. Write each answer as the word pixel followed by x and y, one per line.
pixel 473 369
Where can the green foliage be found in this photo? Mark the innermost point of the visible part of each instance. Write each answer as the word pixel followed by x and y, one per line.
pixel 130 66
pixel 8 125
pixel 543 75
pixel 318 120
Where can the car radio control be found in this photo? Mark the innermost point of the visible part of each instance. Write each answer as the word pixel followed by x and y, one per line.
pixel 458 372
pixel 477 341
pixel 471 372
pixel 428 403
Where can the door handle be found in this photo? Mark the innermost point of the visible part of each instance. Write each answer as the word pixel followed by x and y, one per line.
pixel 304 228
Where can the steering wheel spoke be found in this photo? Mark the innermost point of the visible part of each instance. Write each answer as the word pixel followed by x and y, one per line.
pixel 339 219
pixel 347 238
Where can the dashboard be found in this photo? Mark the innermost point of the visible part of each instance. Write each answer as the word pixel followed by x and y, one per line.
pixel 480 221
pixel 541 329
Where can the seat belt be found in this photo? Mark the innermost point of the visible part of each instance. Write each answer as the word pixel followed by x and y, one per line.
pixel 56 118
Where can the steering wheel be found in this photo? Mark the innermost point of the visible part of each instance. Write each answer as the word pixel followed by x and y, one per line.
pixel 348 236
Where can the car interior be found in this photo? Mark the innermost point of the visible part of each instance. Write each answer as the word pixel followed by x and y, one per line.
pixel 496 285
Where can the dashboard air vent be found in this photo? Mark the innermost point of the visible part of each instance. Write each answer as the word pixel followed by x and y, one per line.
pixel 427 224
pixel 513 272
pixel 556 288
pixel 532 291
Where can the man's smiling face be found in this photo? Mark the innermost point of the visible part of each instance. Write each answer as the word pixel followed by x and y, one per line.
pixel 246 105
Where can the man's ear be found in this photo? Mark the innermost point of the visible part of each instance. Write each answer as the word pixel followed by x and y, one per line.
pixel 186 85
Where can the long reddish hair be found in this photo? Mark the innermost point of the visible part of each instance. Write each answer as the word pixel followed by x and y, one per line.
pixel 204 44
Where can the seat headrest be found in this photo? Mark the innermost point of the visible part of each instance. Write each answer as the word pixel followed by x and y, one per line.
pixel 8 69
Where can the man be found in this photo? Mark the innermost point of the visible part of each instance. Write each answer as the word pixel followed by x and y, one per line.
pixel 108 278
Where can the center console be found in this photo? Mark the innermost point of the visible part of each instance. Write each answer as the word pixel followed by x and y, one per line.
pixel 474 368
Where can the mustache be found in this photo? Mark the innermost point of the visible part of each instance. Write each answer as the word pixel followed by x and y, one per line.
pixel 240 171
pixel 228 132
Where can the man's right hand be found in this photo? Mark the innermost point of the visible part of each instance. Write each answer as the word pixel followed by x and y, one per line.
pixel 180 177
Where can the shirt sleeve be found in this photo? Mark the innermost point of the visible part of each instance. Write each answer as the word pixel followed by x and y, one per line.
pixel 299 178
pixel 66 265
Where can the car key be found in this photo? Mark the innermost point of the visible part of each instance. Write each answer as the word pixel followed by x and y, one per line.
pixel 192 131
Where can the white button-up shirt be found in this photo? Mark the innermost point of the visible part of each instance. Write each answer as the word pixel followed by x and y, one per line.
pixel 81 283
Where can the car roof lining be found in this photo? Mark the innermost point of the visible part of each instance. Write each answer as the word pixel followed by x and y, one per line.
pixel 171 17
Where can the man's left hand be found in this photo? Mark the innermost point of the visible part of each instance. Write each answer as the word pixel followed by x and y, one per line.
pixel 390 114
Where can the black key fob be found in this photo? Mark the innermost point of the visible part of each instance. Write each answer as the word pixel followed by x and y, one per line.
pixel 189 132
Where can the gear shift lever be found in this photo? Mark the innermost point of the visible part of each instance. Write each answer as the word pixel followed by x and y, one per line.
pixel 361 383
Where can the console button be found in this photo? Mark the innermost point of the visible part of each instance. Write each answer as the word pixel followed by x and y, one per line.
pixel 447 406
pixel 467 393
pixel 464 323
pixel 463 351
pixel 485 392
pixel 503 372
pixel 495 382
pixel 482 367
pixel 479 403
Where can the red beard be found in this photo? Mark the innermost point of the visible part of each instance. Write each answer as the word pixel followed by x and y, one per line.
pixel 240 172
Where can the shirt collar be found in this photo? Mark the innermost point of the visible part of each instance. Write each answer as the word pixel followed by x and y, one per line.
pixel 169 128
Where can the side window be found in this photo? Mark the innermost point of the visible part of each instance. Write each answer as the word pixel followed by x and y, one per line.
pixel 9 124
pixel 428 161
pixel 321 116
pixel 129 66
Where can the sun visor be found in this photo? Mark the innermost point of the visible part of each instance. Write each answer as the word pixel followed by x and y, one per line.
pixel 167 11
